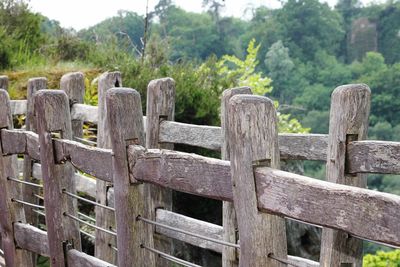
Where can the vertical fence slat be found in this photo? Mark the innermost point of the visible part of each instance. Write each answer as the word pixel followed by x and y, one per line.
pixel 34 85
pixel 4 82
pixel 253 139
pixel 104 218
pixel 349 113
pixel 10 212
pixel 229 222
pixel 125 117
pixel 73 84
pixel 160 106
pixel 52 113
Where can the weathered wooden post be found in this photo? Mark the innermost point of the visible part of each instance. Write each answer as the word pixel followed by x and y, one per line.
pixel 10 211
pixel 160 106
pixel 348 122
pixel 125 117
pixel 73 84
pixel 105 218
pixel 34 85
pixel 53 116
pixel 253 140
pixel 4 82
pixel 229 222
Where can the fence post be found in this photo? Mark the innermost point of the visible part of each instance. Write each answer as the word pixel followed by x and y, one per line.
pixel 125 117
pixel 53 116
pixel 229 222
pixel 348 122
pixel 73 84
pixel 253 139
pixel 34 85
pixel 160 106
pixel 10 211
pixel 4 82
pixel 105 218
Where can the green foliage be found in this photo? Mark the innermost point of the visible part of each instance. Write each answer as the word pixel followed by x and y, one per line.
pixel 382 259
pixel 244 71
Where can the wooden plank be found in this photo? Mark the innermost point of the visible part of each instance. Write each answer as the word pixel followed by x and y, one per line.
pixel 34 85
pixel 350 105
pixel 191 225
pixel 91 160
pixel 84 112
pixel 84 184
pixel 125 117
pixel 80 259
pixel 19 107
pixel 373 157
pixel 301 262
pixel 20 142
pixel 229 255
pixel 190 134
pixel 303 146
pixel 14 141
pixel 291 146
pixel 52 113
pixel 31 238
pixel 351 209
pixel 73 84
pixel 183 172
pixel 10 212
pixel 160 107
pixel 253 139
pixel 105 218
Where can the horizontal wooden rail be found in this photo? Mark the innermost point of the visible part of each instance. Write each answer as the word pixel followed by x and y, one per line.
pixel 291 146
pixel 373 157
pixel 18 107
pixel 190 173
pixel 342 207
pixel 20 142
pixel 77 258
pixel 351 209
pixel 31 238
pixel 206 229
pixel 91 160
pixel 84 112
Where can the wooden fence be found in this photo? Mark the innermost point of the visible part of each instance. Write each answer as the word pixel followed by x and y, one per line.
pixel 136 169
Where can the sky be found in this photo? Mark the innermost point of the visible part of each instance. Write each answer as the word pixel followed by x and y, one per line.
pixel 80 14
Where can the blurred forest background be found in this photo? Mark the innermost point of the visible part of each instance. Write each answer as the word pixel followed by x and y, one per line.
pixel 296 55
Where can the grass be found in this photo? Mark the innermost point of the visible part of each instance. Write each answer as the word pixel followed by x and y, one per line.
pixel 19 77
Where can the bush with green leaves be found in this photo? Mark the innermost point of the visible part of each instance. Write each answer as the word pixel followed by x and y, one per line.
pixel 382 259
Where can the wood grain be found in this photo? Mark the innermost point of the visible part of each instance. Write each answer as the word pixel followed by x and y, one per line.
pixel 52 112
pixel 105 218
pixel 183 172
pixel 191 225
pixel 73 84
pixel 10 212
pixel 373 157
pixel 229 222
pixel 80 259
pixel 19 107
pixel 160 107
pixel 131 200
pixel 20 142
pixel 253 139
pixel 31 238
pixel 85 113
pixel 91 160
pixel 34 85
pixel 351 209
pixel 291 146
pixel 350 105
